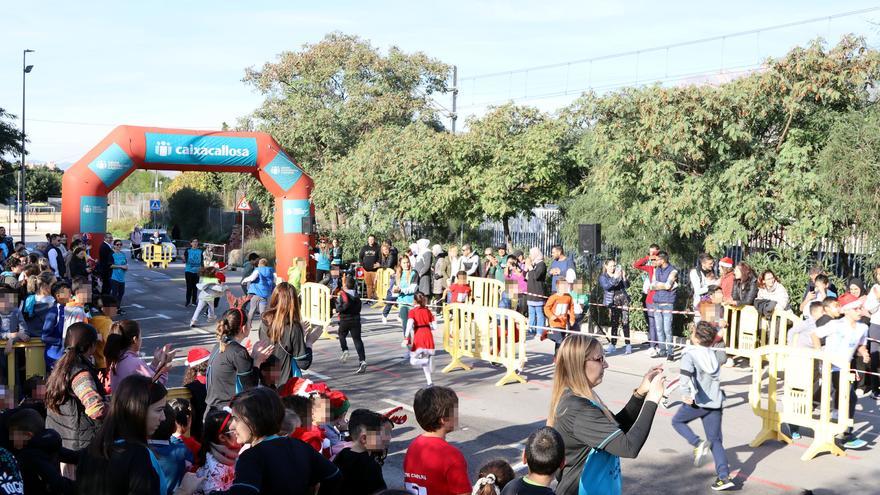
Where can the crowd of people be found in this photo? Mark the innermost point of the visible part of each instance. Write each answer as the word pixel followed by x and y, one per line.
pixel 102 422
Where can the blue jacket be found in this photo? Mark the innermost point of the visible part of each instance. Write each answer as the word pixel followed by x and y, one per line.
pixel 610 286
pixel 265 282
pixel 53 332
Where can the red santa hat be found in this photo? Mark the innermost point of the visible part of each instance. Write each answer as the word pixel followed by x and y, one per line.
pixel 726 262
pixel 197 356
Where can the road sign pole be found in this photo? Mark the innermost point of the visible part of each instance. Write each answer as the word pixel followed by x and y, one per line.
pixel 242 230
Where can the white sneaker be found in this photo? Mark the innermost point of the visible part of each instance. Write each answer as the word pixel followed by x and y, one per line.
pixel 700 452
pixel 628 349
pixel 384 320
pixel 344 357
pixel 654 352
pixel 609 349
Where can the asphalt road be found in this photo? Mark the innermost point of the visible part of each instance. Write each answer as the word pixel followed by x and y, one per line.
pixel 494 421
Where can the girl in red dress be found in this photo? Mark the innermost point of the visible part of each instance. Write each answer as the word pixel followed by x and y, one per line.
pixel 418 336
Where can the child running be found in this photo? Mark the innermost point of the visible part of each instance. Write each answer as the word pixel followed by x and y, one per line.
pixel 703 399
pixel 210 289
pixel 419 338
pixel 432 466
pixel 349 307
pixel 119 267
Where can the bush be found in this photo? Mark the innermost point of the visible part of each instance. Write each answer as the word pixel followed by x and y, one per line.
pixel 121 228
pixel 187 208
pixel 263 246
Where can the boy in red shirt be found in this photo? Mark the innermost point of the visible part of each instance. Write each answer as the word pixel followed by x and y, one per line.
pixel 432 466
pixel 460 291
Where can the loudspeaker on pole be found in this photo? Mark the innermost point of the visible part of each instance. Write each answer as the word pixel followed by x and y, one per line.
pixel 590 238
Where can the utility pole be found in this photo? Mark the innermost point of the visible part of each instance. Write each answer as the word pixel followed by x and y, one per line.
pixel 454 115
pixel 25 69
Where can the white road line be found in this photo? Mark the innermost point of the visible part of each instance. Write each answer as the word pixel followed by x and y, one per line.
pixel 160 315
pixel 519 466
pixel 399 404
pixel 316 375
pixel 133 306
pixel 144 318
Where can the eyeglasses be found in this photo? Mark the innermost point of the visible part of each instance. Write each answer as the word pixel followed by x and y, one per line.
pixel 118 244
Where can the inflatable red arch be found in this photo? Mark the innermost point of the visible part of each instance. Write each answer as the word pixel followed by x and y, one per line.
pixel 87 183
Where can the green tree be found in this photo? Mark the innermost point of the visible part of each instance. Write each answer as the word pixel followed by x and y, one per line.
pixel 323 100
pixel 142 181
pixel 42 183
pixel 10 149
pixel 396 174
pixel 702 167
pixel 517 159
pixel 187 208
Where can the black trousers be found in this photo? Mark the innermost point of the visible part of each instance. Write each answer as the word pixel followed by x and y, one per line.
pixel 105 281
pixel 191 291
pixel 354 328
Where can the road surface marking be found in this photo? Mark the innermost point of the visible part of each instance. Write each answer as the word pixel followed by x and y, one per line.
pixel 160 315
pixel 316 375
pixel 399 404
pixel 133 306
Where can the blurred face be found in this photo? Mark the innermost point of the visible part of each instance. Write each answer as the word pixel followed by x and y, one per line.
pixel 466 250
pixel 833 309
pixel 320 410
pixel 716 297
pixel 323 245
pixel 488 253
pixel 193 243
pixel 20 438
pixel 7 303
pixel 462 279
pixel 372 440
pixel 84 294
pixel 108 238
pixel 117 246
pixel 502 252
pixel 737 273
pixel 385 434
pixel 371 240
pixel 706 265
pixel 110 311
pixel 855 290
pixel 555 253
pixel 404 263
pixel 155 415
pixel 596 366
pixel 821 285
pixel 56 241
pixel 769 280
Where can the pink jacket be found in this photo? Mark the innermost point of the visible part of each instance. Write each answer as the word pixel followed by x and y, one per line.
pixel 131 364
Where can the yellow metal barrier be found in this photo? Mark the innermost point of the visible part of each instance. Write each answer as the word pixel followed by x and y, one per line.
pixel 742 333
pixel 486 291
pixel 489 334
pixel 777 327
pixel 34 362
pixel 156 255
pixel 792 403
pixel 383 283
pixel 315 306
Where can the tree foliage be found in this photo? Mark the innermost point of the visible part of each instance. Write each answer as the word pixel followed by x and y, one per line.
pixel 10 150
pixel 708 166
pixel 142 181
pixel 42 183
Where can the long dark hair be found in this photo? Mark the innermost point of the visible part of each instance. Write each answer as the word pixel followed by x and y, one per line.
pixel 122 336
pixel 81 338
pixel 127 419
pixel 216 422
pixel 229 326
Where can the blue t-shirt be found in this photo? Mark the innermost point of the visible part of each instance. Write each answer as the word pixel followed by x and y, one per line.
pixel 323 261
pixel 193 260
pixel 118 273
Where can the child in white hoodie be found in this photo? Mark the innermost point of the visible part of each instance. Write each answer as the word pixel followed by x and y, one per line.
pixel 702 398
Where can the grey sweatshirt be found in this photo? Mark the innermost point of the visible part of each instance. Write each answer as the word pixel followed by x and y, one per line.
pixel 701 376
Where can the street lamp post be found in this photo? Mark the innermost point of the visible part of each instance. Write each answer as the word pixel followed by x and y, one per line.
pixel 25 70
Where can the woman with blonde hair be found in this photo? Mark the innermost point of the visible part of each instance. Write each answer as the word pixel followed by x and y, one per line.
pixel 595 439
pixel 283 328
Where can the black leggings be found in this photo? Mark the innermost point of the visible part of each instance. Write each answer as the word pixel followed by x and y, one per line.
pixel 191 291
pixel 619 318
pixel 354 328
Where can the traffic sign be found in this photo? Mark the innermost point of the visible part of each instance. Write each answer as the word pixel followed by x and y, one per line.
pixel 155 205
pixel 243 205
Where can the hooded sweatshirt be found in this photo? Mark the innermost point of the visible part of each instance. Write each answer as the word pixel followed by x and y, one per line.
pixel 701 376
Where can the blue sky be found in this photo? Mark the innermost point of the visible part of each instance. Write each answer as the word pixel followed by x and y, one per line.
pixel 180 64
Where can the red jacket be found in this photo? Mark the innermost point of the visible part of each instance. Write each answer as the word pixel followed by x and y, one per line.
pixel 642 264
